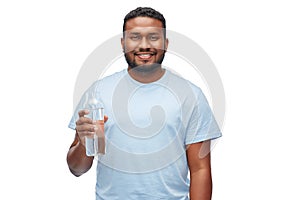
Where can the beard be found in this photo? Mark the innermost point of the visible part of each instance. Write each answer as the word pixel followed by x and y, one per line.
pixel 147 67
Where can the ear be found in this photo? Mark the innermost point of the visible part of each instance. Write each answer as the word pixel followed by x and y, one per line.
pixel 166 44
pixel 123 44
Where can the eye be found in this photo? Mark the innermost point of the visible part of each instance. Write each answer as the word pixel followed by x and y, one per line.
pixel 154 37
pixel 135 37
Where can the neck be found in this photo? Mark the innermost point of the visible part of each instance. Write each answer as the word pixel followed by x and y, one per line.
pixel 146 76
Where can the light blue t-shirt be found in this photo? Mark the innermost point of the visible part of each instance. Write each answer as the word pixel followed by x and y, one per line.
pixel 148 128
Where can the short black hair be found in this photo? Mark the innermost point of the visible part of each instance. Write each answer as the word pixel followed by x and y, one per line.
pixel 145 12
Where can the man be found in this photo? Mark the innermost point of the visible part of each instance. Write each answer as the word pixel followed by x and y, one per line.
pixel 158 126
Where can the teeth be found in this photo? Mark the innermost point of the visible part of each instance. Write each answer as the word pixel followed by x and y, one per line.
pixel 145 55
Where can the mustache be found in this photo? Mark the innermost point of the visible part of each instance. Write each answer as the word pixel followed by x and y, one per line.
pixel 143 50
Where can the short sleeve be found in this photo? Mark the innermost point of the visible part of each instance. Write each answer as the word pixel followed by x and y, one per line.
pixel 72 123
pixel 202 124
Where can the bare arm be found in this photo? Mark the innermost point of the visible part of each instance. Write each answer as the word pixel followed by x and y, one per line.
pixel 77 160
pixel 200 171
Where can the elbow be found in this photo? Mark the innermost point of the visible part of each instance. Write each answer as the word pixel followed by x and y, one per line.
pixel 76 174
pixel 71 167
pixel 78 163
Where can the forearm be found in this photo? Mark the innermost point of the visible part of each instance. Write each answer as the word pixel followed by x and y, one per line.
pixel 77 160
pixel 201 185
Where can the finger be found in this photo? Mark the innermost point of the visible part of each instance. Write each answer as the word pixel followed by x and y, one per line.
pixel 81 113
pixel 84 120
pixel 83 134
pixel 86 127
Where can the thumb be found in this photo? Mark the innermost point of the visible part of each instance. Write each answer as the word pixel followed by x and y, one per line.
pixel 105 118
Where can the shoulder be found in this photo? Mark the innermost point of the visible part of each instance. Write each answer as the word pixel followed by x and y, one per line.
pixel 113 77
pixel 185 85
pixel 109 80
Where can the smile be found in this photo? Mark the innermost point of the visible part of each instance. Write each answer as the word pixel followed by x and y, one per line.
pixel 144 56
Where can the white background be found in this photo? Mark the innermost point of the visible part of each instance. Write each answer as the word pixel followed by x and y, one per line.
pixel 254 45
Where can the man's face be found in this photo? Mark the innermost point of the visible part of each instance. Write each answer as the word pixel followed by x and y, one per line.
pixel 144 44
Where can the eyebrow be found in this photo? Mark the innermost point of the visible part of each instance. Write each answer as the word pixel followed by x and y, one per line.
pixel 138 33
pixel 134 33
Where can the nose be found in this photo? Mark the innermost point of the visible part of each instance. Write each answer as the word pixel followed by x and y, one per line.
pixel 144 43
